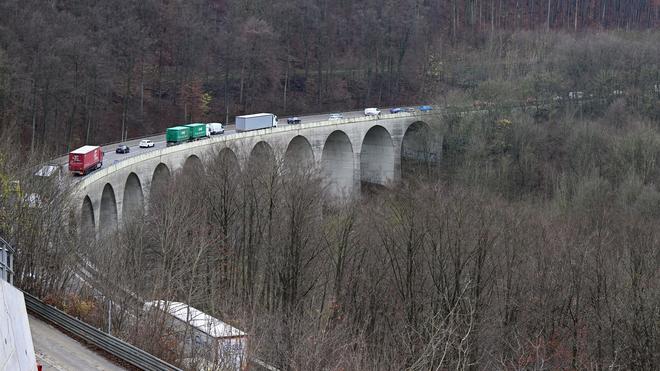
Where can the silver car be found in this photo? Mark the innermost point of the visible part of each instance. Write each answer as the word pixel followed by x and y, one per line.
pixel 335 116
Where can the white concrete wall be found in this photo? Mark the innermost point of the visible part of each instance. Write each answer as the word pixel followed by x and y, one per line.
pixel 16 349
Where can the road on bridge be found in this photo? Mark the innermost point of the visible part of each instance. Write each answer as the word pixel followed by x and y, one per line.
pixel 110 157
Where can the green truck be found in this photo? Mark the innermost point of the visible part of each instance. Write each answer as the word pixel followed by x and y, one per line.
pixel 177 135
pixel 197 131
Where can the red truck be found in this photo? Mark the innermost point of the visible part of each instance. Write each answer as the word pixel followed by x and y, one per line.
pixel 85 159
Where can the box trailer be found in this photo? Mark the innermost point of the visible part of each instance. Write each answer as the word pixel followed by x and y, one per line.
pixel 256 121
pixel 197 131
pixel 85 159
pixel 177 135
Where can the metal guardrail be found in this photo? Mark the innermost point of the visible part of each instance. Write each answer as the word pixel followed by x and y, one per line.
pixel 6 261
pixel 118 348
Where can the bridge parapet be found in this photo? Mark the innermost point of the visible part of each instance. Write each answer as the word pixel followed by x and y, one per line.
pixel 109 169
pixel 368 150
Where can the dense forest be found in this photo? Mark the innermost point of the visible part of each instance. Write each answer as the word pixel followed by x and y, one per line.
pixel 75 72
pixel 532 243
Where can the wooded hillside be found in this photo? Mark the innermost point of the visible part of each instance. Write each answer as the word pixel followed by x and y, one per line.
pixel 532 243
pixel 74 72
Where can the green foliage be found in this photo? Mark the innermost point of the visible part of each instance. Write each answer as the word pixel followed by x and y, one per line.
pixel 635 197
pixel 495 91
pixel 518 156
pixel 546 84
pixel 205 102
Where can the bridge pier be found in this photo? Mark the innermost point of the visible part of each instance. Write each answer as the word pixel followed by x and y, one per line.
pixel 357 176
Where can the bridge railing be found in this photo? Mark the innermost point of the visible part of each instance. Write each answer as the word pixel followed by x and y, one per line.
pixel 107 170
pixel 116 347
pixel 6 261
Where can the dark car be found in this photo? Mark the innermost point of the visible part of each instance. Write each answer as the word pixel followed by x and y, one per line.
pixel 396 110
pixel 122 148
pixel 293 120
pixel 425 108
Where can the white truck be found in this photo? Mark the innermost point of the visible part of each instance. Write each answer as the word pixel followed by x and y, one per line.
pixel 256 121
pixel 215 128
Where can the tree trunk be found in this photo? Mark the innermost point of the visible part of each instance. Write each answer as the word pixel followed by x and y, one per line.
pixel 286 79
pixel 124 114
pixel 89 133
pixel 72 117
pixel 547 25
pixel 44 109
pixel 34 114
pixel 492 16
pixel 142 93
pixel 240 95
pixel 319 78
pixel 226 92
pixel 159 82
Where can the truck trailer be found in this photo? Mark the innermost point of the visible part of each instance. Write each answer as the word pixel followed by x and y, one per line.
pixel 85 159
pixel 256 121
pixel 177 135
pixel 197 131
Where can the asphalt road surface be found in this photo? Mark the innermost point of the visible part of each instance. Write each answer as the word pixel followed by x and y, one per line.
pixel 110 157
pixel 56 351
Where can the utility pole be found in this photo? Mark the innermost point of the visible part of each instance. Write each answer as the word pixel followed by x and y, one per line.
pixel 109 317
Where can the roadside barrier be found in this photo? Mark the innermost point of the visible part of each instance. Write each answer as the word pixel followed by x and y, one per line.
pixel 118 348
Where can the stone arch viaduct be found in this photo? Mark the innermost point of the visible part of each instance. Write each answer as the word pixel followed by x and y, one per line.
pixel 348 152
